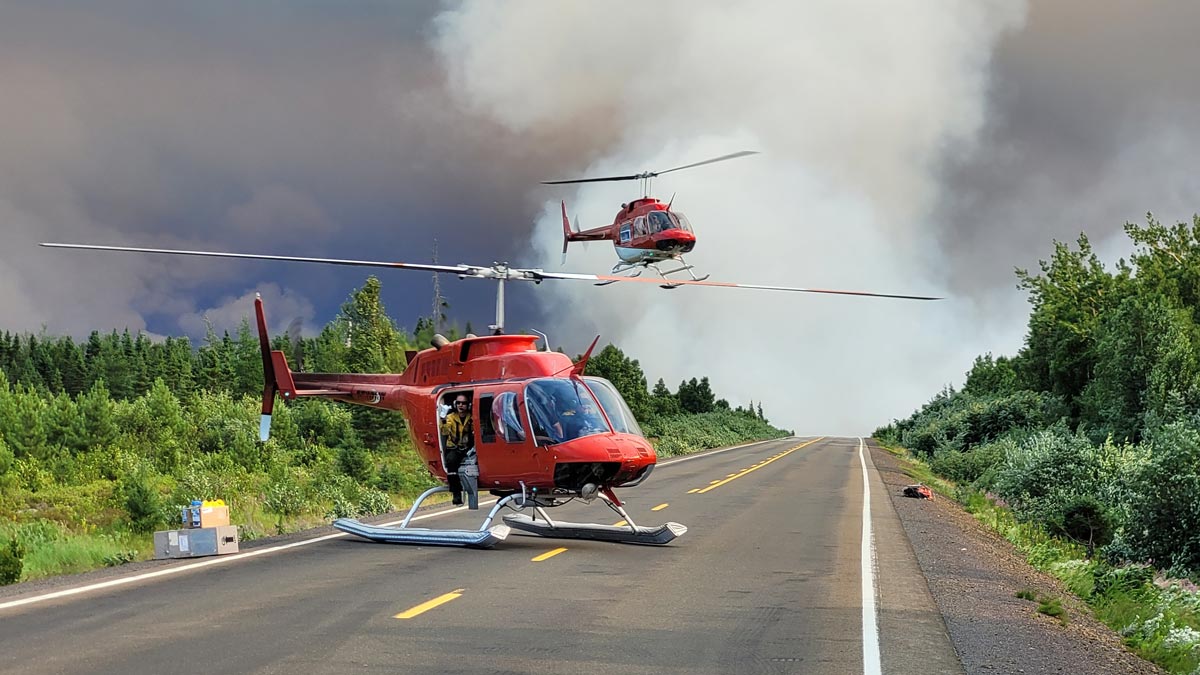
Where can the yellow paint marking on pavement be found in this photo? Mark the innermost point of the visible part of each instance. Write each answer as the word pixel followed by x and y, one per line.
pixel 719 483
pixel 728 475
pixel 426 606
pixel 620 523
pixel 693 490
pixel 713 482
pixel 660 507
pixel 548 554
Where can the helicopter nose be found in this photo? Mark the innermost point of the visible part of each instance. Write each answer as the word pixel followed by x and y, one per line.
pixel 675 240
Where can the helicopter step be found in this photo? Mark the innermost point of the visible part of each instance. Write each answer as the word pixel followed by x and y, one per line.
pixel 421 535
pixel 626 534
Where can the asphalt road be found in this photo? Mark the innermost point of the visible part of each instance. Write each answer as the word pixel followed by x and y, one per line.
pixel 769 578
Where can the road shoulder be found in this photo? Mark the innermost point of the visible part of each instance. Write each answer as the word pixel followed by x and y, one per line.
pixel 974 574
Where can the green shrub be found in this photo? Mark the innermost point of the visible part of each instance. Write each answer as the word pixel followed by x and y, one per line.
pixel 1164 513
pixel 12 561
pixel 355 462
pixel 968 466
pixel 1085 520
pixel 142 501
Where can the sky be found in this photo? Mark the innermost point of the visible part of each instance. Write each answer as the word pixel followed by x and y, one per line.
pixel 927 149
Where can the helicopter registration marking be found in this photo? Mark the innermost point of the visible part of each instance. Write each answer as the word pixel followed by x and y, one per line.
pixel 719 483
pixel 430 604
pixel 548 554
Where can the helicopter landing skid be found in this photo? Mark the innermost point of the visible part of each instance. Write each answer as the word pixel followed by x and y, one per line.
pixel 617 270
pixel 630 533
pixel 486 536
pixel 685 268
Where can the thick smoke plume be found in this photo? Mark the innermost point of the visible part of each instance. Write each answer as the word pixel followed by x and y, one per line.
pixel 854 106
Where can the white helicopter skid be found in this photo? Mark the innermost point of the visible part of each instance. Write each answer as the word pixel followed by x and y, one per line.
pixel 486 536
pixel 630 533
pixel 685 267
pixel 622 267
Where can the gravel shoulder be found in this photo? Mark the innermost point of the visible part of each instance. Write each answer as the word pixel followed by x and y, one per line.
pixel 973 575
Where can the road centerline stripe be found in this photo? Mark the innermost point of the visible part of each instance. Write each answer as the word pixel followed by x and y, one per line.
pixel 719 483
pixel 430 604
pixel 547 555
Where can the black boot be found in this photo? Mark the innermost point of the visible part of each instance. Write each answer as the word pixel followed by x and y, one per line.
pixel 455 485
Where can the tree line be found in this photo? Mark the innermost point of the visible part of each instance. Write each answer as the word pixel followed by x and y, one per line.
pixel 1092 429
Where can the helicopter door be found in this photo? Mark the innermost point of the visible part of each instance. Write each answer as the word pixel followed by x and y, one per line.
pixel 639 227
pixel 626 231
pixel 502 438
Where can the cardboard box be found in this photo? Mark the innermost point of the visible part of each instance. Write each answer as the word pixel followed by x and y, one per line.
pixel 205 516
pixel 196 542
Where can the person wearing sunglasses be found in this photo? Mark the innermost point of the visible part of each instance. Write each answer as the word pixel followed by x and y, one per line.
pixel 459 435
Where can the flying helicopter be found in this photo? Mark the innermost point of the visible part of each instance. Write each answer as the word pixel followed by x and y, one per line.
pixel 645 232
pixel 527 454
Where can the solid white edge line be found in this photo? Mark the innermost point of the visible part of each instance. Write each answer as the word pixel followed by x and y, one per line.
pixel 871 660
pixel 204 563
pixel 250 554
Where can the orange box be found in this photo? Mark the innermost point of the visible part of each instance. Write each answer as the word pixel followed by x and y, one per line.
pixel 206 516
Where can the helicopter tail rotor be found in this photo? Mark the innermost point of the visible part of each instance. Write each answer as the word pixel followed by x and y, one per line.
pixel 566 232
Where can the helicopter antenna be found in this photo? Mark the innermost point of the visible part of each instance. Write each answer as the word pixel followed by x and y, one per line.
pixel 545 338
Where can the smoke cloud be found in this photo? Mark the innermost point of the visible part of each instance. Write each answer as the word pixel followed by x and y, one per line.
pixel 854 118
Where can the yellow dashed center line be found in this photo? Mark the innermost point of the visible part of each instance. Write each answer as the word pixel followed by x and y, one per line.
pixel 693 490
pixel 620 523
pixel 426 606
pixel 660 507
pixel 718 483
pixel 548 554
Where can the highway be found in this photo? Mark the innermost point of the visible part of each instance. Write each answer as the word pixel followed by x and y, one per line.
pixel 770 578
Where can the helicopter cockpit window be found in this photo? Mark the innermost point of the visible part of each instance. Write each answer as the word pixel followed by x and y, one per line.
pixel 626 230
pixel 561 410
pixel 681 221
pixel 505 418
pixel 660 221
pixel 614 406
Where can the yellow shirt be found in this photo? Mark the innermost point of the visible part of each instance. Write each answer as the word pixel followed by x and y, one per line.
pixel 458 431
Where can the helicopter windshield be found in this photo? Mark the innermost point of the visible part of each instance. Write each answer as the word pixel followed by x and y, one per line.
pixel 660 221
pixel 614 406
pixel 681 221
pixel 561 410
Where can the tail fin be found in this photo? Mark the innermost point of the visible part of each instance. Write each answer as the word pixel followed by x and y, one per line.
pixel 578 368
pixel 567 232
pixel 277 376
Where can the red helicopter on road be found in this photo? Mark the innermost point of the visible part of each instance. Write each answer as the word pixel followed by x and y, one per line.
pixel 546 433
pixel 645 232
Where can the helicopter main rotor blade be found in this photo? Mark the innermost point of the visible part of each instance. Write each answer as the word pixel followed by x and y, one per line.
pixel 714 160
pixel 652 174
pixel 592 180
pixel 455 269
pixel 724 284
